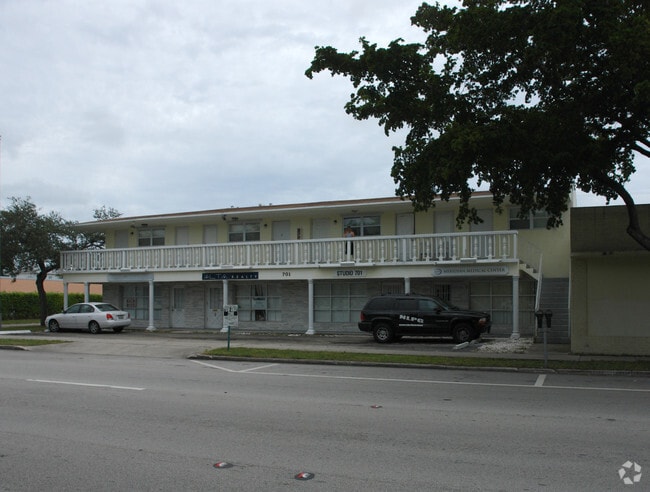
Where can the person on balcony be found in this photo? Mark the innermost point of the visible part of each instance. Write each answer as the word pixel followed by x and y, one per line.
pixel 349 246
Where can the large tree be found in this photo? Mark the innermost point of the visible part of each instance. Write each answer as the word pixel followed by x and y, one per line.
pixel 532 97
pixel 97 240
pixel 32 242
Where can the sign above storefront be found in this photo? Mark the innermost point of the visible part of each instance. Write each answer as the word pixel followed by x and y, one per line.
pixel 469 270
pixel 350 273
pixel 231 276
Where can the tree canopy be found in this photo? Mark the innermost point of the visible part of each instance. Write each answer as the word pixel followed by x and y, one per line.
pixel 32 242
pixel 532 97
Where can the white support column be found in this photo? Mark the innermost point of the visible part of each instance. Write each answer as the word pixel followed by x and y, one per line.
pixel 407 285
pixel 224 328
pixel 151 326
pixel 515 308
pixel 86 292
pixel 65 295
pixel 310 308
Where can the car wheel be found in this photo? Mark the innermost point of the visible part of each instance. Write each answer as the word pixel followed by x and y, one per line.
pixel 462 333
pixel 94 328
pixel 118 329
pixel 383 333
pixel 53 326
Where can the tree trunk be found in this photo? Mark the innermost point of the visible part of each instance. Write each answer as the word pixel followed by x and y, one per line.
pixel 42 296
pixel 633 227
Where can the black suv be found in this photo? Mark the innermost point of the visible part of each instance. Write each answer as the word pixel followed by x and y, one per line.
pixel 390 316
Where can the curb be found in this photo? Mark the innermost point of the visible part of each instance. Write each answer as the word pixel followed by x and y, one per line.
pixel 12 347
pixel 523 370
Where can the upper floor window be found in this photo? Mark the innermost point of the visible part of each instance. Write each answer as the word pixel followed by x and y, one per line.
pixel 366 225
pixel 244 231
pixel 535 220
pixel 151 237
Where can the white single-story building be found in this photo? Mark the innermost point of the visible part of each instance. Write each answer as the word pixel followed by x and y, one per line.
pixel 610 298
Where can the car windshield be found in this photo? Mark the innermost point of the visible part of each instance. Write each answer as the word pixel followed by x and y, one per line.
pixel 106 307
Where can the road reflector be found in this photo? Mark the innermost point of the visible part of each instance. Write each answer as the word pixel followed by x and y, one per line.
pixel 304 476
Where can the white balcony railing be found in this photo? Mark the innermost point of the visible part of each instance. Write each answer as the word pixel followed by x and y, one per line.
pixel 431 248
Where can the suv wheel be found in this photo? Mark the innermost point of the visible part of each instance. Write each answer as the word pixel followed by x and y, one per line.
pixel 462 333
pixel 383 333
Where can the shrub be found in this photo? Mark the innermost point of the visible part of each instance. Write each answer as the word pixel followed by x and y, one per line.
pixel 25 305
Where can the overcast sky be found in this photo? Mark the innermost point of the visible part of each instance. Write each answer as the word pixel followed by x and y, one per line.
pixel 165 106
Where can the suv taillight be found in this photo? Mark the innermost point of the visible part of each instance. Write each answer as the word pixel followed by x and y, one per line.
pixel 362 316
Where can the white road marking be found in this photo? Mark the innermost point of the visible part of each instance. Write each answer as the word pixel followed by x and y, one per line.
pixel 425 381
pixel 214 366
pixel 540 380
pixel 86 384
pixel 257 368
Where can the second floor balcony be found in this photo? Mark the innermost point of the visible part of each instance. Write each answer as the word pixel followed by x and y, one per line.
pixel 373 250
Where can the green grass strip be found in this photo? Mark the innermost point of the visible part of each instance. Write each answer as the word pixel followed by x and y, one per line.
pixel 261 353
pixel 7 322
pixel 27 342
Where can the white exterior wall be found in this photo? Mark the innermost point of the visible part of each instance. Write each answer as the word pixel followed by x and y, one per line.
pixel 293 280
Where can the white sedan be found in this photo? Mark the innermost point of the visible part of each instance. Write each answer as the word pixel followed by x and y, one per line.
pixel 91 316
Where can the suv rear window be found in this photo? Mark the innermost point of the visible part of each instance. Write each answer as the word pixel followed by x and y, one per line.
pixel 380 303
pixel 408 304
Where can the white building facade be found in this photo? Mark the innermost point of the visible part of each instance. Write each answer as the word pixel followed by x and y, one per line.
pixel 289 268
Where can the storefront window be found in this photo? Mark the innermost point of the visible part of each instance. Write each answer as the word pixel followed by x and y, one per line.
pixel 259 302
pixel 495 297
pixel 135 300
pixel 339 302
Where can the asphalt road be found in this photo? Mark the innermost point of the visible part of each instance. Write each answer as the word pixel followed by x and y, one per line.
pixel 71 421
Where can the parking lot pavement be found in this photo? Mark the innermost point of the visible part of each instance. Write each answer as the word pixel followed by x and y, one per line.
pixel 169 343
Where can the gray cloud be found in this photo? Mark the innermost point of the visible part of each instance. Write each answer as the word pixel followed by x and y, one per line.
pixel 158 106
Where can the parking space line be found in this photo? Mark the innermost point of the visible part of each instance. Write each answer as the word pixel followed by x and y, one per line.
pixel 88 385
pixel 540 382
pixel 214 366
pixel 257 368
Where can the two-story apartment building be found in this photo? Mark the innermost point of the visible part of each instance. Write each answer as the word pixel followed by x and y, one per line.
pixel 289 268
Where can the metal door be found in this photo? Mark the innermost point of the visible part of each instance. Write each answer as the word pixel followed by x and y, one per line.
pixel 485 226
pixel 178 307
pixel 405 224
pixel 281 232
pixel 213 308
pixel 122 239
pixel 182 236
pixel 443 224
pixel 320 228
